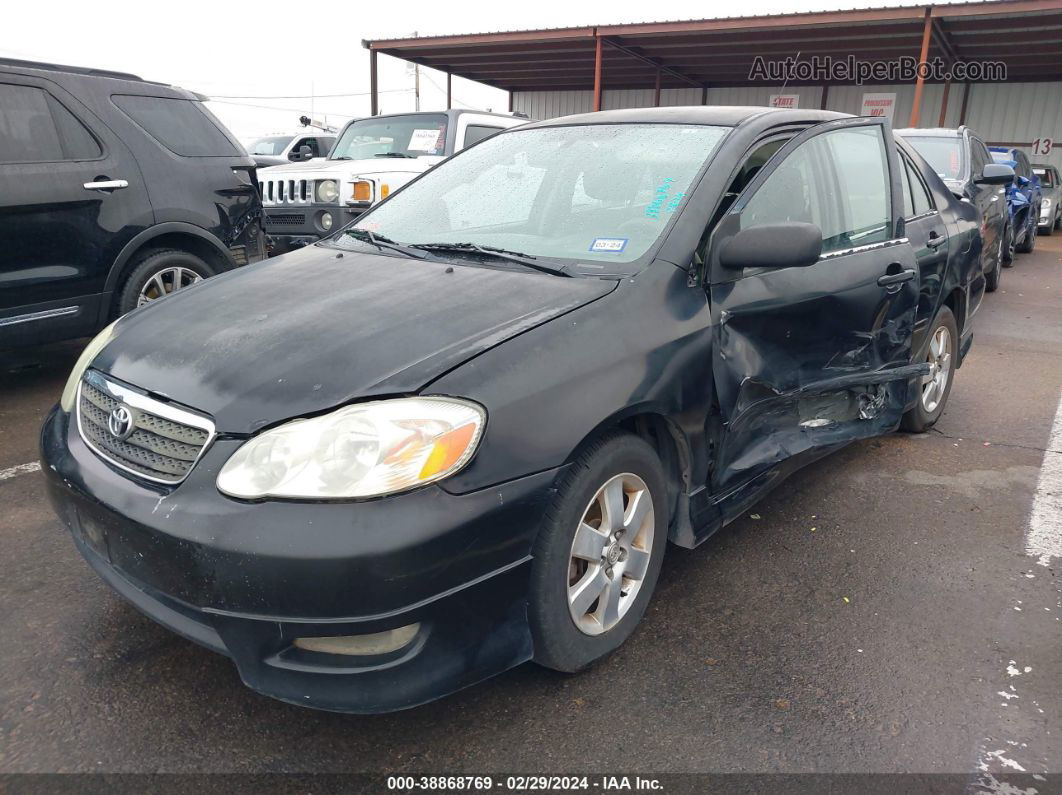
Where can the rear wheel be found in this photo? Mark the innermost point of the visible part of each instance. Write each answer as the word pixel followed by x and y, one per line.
pixel 1008 246
pixel 157 273
pixel 598 555
pixel 992 277
pixel 942 355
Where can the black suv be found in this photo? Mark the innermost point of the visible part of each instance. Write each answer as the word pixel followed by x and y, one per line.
pixel 963 161
pixel 114 191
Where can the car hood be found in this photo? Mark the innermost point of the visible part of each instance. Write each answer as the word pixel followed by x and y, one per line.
pixel 374 165
pixel 310 331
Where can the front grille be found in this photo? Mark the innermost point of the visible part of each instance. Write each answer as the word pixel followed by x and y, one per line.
pixel 285 219
pixel 286 191
pixel 161 443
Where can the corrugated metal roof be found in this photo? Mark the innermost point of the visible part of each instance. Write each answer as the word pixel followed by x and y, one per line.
pixel 684 20
pixel 1026 35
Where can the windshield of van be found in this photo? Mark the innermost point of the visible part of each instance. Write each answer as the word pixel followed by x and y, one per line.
pixel 598 193
pixel 273 145
pixel 1046 175
pixel 943 153
pixel 393 136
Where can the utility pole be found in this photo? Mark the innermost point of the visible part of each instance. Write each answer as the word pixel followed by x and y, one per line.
pixel 416 82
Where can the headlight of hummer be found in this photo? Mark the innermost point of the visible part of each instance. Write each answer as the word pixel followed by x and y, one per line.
pixel 327 191
pixel 364 450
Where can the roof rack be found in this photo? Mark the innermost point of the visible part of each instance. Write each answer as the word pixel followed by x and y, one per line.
pixel 78 70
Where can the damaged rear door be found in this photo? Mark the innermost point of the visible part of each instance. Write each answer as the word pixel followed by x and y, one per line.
pixel 806 358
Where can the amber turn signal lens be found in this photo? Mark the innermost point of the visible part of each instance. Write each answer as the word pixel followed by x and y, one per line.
pixel 362 192
pixel 447 450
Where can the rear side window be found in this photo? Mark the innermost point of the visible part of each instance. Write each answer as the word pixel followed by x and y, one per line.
pixel 475 133
pixel 923 203
pixel 183 126
pixel 36 128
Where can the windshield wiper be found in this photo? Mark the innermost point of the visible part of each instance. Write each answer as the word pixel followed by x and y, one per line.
pixel 342 157
pixel 394 154
pixel 499 253
pixel 382 242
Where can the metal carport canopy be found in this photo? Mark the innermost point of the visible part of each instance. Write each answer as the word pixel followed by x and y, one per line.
pixel 1026 35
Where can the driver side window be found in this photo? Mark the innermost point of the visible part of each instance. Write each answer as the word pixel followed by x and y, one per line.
pixel 837 180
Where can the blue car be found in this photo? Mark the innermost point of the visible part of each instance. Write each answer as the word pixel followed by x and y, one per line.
pixel 1024 197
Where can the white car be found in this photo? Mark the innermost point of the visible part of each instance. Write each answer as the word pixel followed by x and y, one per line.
pixel 373 157
pixel 282 148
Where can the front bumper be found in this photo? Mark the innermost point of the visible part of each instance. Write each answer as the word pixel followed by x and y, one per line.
pixel 247 579
pixel 293 226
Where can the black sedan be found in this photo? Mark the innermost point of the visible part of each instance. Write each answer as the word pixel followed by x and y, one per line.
pixel 459 434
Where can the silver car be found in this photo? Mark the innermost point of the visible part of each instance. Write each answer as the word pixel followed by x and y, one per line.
pixel 1050 211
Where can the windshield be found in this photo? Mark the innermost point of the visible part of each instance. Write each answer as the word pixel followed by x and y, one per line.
pixel 944 154
pixel 1047 177
pixel 273 145
pixel 1002 157
pixel 384 136
pixel 599 193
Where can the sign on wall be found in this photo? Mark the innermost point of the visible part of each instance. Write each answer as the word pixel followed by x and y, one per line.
pixel 878 105
pixel 784 101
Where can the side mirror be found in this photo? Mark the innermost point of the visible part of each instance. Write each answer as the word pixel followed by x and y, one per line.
pixel 996 174
pixel 783 245
pixel 301 154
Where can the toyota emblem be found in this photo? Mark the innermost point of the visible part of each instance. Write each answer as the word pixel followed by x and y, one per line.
pixel 120 422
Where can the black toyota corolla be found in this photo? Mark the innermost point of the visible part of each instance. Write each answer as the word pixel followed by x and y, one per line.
pixel 459 434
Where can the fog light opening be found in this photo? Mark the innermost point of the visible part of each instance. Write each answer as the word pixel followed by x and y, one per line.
pixel 326 221
pixel 361 645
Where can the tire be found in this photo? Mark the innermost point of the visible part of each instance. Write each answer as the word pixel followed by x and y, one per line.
pixel 1048 230
pixel 559 642
pixel 925 413
pixel 992 277
pixel 1058 221
pixel 166 264
pixel 1029 243
pixel 1008 246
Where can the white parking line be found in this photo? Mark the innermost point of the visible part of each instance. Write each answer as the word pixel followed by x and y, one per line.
pixel 21 469
pixel 1044 537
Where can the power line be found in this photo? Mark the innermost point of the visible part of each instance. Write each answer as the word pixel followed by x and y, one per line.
pixel 310 96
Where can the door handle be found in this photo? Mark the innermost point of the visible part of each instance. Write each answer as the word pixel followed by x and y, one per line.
pixel 936 240
pixel 897 278
pixel 107 184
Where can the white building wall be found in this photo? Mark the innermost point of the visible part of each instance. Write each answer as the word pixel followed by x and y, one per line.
pixel 999 112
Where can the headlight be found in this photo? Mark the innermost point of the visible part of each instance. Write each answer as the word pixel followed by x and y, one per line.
pixel 327 191
pixel 98 343
pixel 1045 204
pixel 364 450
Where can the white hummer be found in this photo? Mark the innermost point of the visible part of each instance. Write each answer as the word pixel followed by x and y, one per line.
pixel 373 157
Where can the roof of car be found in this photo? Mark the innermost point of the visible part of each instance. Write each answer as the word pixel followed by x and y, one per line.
pixel 77 72
pixel 718 115
pixel 942 132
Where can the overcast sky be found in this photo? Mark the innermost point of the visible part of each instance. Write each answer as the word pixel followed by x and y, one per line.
pixel 240 52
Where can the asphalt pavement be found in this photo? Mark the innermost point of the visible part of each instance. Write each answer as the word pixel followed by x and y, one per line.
pixel 877 613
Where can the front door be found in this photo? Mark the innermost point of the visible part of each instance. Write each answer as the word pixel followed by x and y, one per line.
pixel 811 357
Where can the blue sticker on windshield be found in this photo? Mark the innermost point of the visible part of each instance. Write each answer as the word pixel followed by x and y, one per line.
pixel 609 245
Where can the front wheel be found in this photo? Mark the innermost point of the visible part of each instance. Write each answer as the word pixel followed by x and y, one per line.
pixel 598 554
pixel 942 355
pixel 1029 243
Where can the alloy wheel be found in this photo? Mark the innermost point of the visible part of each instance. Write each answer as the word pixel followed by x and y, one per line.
pixel 165 282
pixel 610 554
pixel 934 385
